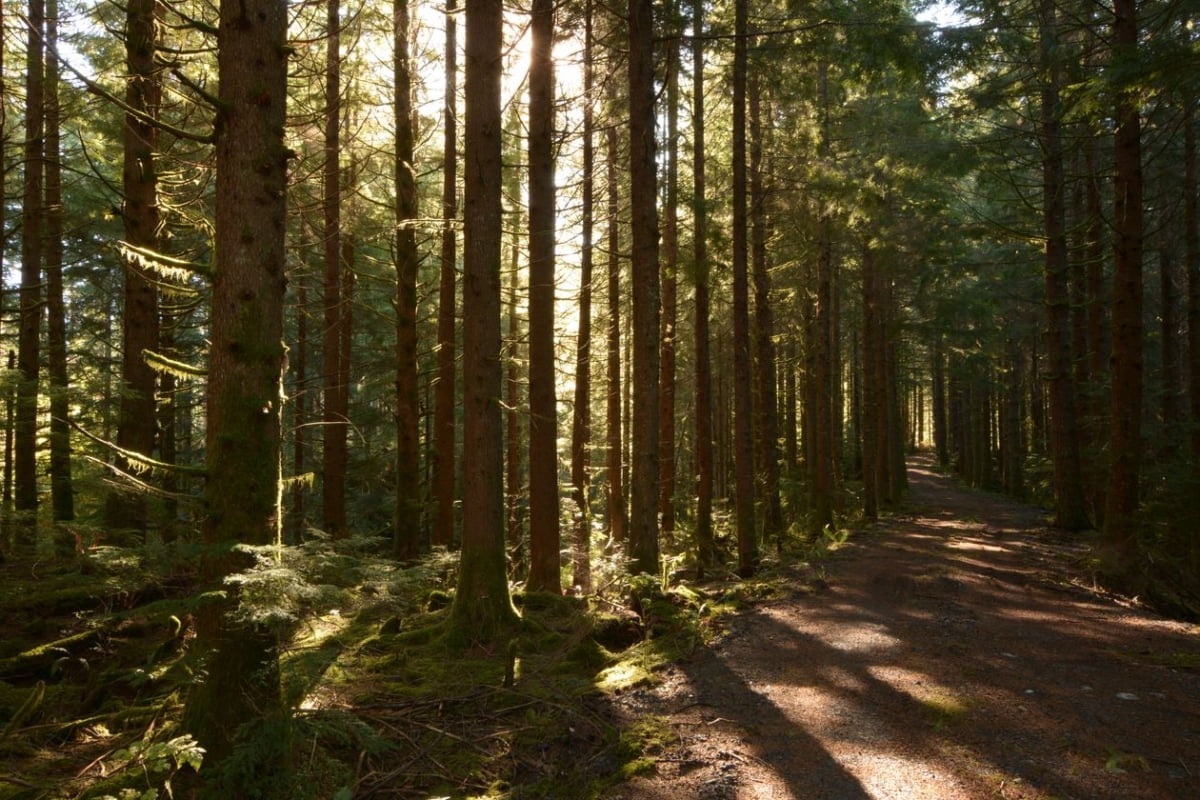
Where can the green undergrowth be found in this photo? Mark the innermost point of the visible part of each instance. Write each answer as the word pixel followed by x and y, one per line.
pixel 95 665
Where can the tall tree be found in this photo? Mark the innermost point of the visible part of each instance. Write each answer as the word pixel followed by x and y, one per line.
pixel 141 220
pixel 407 526
pixel 543 412
pixel 670 302
pixel 335 395
pixel 1191 239
pixel 32 229
pixel 246 360
pixel 1070 506
pixel 643 194
pixel 482 606
pixel 742 388
pixel 443 411
pixel 62 494
pixel 821 430
pixel 1125 443
pixel 618 521
pixel 581 419
pixel 705 550
pixel 766 423
pixel 6 481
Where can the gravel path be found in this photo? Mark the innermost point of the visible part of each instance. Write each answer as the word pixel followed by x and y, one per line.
pixel 951 653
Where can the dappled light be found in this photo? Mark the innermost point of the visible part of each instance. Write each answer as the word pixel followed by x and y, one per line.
pixel 921 673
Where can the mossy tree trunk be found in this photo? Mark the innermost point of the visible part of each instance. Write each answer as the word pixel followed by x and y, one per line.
pixel 482 607
pixel 246 358
pixel 136 416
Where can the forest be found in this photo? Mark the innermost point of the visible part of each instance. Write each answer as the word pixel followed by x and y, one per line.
pixel 385 380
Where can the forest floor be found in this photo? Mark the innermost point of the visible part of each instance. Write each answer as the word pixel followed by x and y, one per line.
pixel 960 650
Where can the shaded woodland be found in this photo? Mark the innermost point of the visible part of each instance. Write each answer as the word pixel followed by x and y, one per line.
pixel 464 339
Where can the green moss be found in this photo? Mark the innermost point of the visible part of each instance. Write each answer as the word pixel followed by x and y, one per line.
pixel 651 734
pixel 638 766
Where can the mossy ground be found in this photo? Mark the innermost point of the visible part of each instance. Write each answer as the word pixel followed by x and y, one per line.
pixel 385 698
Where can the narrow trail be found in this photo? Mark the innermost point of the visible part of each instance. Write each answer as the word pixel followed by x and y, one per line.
pixel 953 654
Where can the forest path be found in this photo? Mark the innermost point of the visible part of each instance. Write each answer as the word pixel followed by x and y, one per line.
pixel 955 653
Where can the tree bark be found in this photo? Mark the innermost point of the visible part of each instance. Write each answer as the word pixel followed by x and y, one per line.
pixel 747 535
pixel 670 298
pixel 32 230
pixel 334 457
pixel 766 422
pixel 300 406
pixel 62 495
pixel 1070 505
pixel 246 361
pixel 482 608
pixel 514 487
pixel 406 544
pixel 1120 517
pixel 543 412
pixel 706 556
pixel 614 463
pixel 140 215
pixel 447 345
pixel 1191 243
pixel 581 419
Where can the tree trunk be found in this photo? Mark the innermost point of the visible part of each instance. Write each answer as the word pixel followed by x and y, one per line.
pixel 941 437
pixel 29 333
pixel 543 412
pixel 1120 517
pixel 581 419
pixel 1169 407
pixel 670 299
pixel 300 405
pixel 1099 335
pixel 766 423
pixel 443 424
pixel 514 488
pixel 6 488
pixel 406 542
pixel 1191 243
pixel 821 465
pixel 62 496
pixel 791 443
pixel 333 483
pixel 706 556
pixel 644 270
pixel 246 358
pixel 1012 438
pixel 871 394
pixel 140 214
pixel 1070 505
pixel 617 520
pixel 742 380
pixel 482 608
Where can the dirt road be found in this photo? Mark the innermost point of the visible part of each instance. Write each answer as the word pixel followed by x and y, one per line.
pixel 957 652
